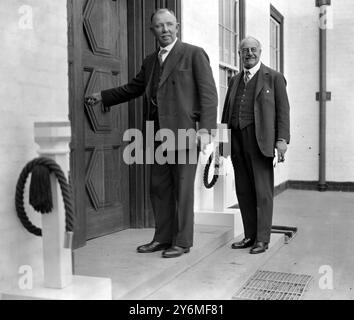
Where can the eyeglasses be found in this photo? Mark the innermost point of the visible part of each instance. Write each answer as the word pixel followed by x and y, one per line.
pixel 246 50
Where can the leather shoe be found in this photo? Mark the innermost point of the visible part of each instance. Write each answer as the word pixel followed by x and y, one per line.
pixel 244 243
pixel 174 252
pixel 259 247
pixel 152 247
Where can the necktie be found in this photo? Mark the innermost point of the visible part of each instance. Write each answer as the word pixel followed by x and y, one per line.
pixel 247 76
pixel 161 53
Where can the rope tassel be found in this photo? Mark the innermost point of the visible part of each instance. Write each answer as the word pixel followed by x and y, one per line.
pixel 53 167
pixel 40 197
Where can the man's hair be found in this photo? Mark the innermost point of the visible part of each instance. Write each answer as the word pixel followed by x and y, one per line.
pixel 161 10
pixel 250 38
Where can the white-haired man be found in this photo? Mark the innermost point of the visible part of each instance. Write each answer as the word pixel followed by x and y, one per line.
pixel 256 110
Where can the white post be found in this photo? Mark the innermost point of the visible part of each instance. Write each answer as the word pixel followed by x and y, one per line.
pixel 220 188
pixel 53 139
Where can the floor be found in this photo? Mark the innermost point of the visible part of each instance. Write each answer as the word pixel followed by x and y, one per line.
pixel 322 248
pixel 217 277
pixel 135 275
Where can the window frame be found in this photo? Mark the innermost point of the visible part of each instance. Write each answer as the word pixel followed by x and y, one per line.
pixel 279 18
pixel 226 69
pixel 233 29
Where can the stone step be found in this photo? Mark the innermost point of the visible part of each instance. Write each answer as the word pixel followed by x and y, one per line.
pixel 219 276
pixel 135 275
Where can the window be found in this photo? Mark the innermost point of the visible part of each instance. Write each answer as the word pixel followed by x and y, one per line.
pixel 228 31
pixel 225 75
pixel 230 15
pixel 276 40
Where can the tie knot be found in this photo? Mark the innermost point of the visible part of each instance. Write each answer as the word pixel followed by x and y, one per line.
pixel 161 53
pixel 247 76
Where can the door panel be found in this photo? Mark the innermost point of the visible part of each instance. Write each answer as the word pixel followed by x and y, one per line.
pixel 99 59
pixel 104 66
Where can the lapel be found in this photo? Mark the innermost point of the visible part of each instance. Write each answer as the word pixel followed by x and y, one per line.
pixel 262 78
pixel 233 91
pixel 150 71
pixel 172 59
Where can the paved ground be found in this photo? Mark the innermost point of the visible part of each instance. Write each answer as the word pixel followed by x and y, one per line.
pixel 135 275
pixel 324 244
pixel 218 276
pixel 322 248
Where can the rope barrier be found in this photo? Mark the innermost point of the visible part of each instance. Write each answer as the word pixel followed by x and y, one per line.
pixel 53 167
pixel 211 184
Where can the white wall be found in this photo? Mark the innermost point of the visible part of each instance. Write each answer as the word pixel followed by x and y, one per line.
pixel 340 110
pixel 33 87
pixel 200 28
pixel 302 72
pixel 301 69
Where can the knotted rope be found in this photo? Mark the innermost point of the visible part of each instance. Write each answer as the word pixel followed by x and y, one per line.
pixel 211 184
pixel 53 167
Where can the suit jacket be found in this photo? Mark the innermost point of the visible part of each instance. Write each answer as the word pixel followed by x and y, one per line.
pixel 186 96
pixel 271 108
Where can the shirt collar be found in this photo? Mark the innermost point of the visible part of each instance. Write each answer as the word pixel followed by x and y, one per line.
pixel 170 46
pixel 254 70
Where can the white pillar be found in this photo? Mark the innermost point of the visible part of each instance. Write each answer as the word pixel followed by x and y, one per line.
pixel 223 187
pixel 53 139
pixel 59 283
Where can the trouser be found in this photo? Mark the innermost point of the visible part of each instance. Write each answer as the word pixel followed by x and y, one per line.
pixel 254 179
pixel 172 197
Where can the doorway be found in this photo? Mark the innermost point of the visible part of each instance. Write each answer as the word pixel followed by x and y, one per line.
pixel 109 196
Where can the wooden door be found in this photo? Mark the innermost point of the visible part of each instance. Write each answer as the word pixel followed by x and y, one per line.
pixel 97 61
pixel 141 43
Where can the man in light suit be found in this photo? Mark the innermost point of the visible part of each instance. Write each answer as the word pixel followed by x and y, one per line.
pixel 257 112
pixel 180 93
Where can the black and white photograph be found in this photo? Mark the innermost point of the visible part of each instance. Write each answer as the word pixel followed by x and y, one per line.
pixel 178 156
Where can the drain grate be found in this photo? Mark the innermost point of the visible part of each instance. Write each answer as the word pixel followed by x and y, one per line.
pixel 270 285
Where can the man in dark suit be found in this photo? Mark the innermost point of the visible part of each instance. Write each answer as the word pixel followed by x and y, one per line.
pixel 257 112
pixel 180 93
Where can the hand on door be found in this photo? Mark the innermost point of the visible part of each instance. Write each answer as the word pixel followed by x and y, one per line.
pixel 93 98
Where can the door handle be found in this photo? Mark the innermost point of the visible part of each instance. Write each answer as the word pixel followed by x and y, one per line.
pixel 89 102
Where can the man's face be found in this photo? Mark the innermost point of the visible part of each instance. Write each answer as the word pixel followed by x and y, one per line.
pixel 250 53
pixel 165 28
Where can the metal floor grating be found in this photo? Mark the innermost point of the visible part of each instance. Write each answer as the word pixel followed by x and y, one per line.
pixel 270 285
